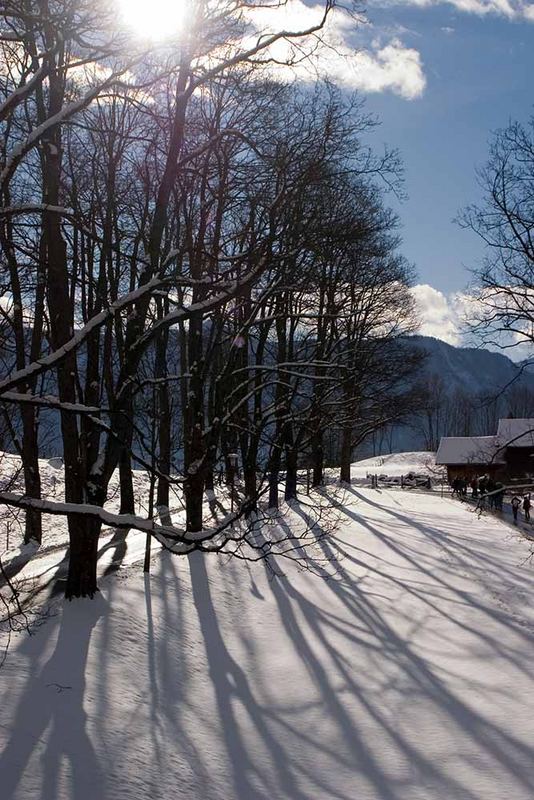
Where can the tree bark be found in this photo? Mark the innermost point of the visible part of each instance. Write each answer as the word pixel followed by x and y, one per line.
pixel 346 453
pixel 274 475
pixel 318 459
pixel 84 533
pixel 291 473
pixel 126 483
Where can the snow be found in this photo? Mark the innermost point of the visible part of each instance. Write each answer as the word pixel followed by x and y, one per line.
pixel 397 667
pixel 396 464
pixel 469 450
pixel 516 432
pixel 55 535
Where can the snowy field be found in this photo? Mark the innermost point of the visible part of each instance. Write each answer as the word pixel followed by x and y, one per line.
pixel 397 464
pixel 399 666
pixel 115 550
pixel 55 533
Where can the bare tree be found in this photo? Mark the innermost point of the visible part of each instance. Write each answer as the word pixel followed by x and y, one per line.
pixel 503 290
pixel 99 305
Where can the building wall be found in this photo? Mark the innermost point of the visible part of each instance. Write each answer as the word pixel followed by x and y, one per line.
pixel 519 462
pixel 519 466
pixel 469 471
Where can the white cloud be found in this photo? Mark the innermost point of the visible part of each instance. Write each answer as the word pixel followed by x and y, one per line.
pixel 394 67
pixel 448 317
pixel 335 53
pixel 440 314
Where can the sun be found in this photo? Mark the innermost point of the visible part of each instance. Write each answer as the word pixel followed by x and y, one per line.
pixel 153 19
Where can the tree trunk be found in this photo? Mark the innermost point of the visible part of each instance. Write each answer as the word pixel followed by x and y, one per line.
pixel 30 443
pixel 126 483
pixel 164 415
pixel 194 496
pixel 83 534
pixel 274 476
pixel 33 530
pixel 291 473
pixel 209 483
pixel 250 479
pixel 83 556
pixel 346 453
pixel 318 459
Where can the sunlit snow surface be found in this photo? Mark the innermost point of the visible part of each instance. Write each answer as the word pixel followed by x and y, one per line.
pixel 400 670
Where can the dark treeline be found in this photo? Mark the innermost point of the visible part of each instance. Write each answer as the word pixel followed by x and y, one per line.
pixel 464 413
pixel 196 263
pixel 439 410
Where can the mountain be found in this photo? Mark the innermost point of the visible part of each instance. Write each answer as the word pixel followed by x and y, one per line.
pixel 467 390
pixel 471 369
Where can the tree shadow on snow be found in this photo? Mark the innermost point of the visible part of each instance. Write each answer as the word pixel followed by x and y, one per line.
pixel 168 670
pixel 119 545
pixel 393 654
pixel 53 704
pixel 232 688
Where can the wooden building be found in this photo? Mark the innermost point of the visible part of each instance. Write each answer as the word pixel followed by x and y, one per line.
pixel 507 456
pixel 470 457
pixel 516 437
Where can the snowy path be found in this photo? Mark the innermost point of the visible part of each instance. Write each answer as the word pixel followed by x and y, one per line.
pixel 407 674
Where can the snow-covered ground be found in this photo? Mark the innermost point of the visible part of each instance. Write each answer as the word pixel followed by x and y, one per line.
pixel 396 464
pixel 55 535
pixel 398 667
pixel 54 528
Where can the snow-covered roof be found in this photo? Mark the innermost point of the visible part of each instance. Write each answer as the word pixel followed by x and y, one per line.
pixel 469 450
pixel 516 432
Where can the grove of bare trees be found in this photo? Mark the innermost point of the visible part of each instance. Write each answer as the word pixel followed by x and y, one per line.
pixel 198 272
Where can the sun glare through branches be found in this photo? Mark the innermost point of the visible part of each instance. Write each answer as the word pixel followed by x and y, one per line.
pixel 154 19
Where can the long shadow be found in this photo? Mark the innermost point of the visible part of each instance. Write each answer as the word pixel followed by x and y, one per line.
pixel 366 759
pixel 53 702
pixel 432 572
pixel 452 550
pixel 503 748
pixel 58 582
pixel 168 671
pixel 15 566
pixel 119 545
pixel 363 759
pixel 52 587
pixel 429 530
pixel 232 688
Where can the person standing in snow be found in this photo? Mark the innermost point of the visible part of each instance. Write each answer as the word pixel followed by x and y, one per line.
pixel 474 488
pixel 526 507
pixel 515 503
pixel 490 488
pixel 499 497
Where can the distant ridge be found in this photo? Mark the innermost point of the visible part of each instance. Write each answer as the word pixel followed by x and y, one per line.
pixel 475 370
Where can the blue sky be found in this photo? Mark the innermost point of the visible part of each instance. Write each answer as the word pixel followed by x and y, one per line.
pixel 479 72
pixel 441 77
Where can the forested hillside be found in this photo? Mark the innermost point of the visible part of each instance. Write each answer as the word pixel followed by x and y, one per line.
pixel 462 391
